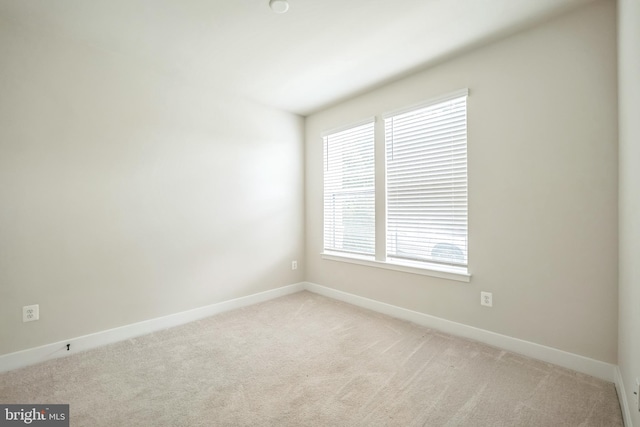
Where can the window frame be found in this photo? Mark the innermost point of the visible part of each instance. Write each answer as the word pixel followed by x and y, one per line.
pixel 381 260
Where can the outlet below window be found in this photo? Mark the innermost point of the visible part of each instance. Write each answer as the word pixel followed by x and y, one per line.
pixel 486 299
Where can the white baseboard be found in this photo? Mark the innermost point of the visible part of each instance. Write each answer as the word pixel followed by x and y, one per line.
pixel 622 396
pixel 596 368
pixel 605 371
pixel 31 356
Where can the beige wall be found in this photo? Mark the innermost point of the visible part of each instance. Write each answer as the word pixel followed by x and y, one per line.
pixel 542 127
pixel 127 195
pixel 629 110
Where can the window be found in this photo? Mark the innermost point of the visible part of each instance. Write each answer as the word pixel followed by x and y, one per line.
pixel 349 196
pixel 423 204
pixel 427 183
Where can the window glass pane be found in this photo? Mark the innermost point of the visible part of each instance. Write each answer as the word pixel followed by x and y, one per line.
pixel 349 199
pixel 427 183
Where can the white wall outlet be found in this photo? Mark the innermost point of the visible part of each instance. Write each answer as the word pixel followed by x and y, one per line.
pixel 294 265
pixel 30 313
pixel 486 299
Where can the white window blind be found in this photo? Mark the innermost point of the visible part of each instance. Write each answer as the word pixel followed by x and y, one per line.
pixel 427 182
pixel 349 190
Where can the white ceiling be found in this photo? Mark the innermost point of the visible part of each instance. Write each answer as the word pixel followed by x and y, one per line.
pixel 318 53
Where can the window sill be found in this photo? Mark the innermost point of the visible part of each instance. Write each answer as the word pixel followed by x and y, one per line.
pixel 459 274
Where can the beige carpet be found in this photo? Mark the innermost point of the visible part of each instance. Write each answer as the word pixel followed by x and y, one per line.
pixel 305 360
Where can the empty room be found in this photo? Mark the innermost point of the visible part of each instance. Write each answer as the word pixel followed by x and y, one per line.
pixel 320 213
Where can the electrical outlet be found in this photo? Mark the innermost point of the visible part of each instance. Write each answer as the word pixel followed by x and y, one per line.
pixel 486 299
pixel 294 265
pixel 30 313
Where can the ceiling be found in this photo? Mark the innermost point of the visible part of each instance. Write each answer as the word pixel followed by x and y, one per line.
pixel 320 52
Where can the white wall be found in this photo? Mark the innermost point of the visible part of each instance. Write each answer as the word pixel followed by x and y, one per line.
pixel 127 195
pixel 629 111
pixel 542 131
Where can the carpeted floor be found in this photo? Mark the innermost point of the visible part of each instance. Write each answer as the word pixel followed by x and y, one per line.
pixel 306 360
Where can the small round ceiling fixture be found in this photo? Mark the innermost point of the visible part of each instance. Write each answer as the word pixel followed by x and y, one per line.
pixel 279 6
